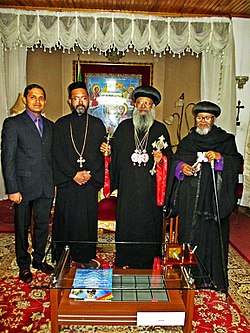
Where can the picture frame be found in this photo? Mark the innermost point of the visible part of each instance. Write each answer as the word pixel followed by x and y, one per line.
pixel 110 86
pixel 174 252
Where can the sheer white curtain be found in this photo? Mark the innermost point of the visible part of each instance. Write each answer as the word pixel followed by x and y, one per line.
pixel 218 83
pixel 245 201
pixel 210 37
pixel 15 73
pixel 104 31
pixel 12 81
pixel 3 111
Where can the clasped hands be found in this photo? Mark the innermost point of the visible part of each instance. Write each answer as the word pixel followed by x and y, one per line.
pixel 189 170
pixel 82 177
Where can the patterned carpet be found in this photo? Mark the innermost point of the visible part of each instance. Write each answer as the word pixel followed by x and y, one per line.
pixel 26 308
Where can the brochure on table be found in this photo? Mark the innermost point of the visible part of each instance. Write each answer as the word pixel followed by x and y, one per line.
pixel 92 284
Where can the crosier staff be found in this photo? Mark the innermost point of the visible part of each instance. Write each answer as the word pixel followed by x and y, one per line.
pixel 219 229
pixel 107 160
pixel 161 171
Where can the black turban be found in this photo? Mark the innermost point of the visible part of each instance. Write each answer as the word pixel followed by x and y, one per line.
pixel 207 107
pixel 147 91
pixel 76 85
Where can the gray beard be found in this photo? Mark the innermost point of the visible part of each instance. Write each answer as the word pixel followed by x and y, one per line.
pixel 143 123
pixel 203 131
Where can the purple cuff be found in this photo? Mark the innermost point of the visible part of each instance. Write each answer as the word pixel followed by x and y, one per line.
pixel 178 173
pixel 218 165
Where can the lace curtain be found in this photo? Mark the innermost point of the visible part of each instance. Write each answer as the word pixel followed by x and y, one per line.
pixel 103 31
pixel 210 37
pixel 12 81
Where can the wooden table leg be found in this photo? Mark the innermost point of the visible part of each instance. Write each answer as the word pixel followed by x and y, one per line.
pixel 188 299
pixel 54 303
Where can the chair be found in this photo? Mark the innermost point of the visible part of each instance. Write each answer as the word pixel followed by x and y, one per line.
pixel 107 214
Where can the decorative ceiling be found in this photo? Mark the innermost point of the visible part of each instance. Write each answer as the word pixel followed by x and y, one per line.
pixel 228 8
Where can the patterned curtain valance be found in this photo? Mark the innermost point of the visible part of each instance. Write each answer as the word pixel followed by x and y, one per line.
pixel 106 31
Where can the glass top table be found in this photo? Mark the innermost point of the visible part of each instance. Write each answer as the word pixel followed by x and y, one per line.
pixel 161 296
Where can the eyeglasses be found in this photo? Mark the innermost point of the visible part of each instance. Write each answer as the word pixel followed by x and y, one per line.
pixel 146 103
pixel 78 99
pixel 207 118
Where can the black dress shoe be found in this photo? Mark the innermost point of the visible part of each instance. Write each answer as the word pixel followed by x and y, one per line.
pixel 25 275
pixel 92 264
pixel 43 267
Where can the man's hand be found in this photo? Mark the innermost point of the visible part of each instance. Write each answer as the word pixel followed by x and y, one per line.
pixel 187 169
pixel 15 197
pixel 212 155
pixel 82 177
pixel 157 156
pixel 105 149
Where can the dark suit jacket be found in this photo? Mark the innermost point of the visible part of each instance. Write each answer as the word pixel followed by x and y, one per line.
pixel 26 157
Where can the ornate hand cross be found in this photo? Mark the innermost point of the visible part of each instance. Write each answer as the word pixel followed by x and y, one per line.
pixel 159 145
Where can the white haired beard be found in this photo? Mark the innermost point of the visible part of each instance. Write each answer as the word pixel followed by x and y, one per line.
pixel 143 122
pixel 203 131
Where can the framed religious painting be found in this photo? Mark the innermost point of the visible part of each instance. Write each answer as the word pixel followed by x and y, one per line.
pixel 174 252
pixel 110 88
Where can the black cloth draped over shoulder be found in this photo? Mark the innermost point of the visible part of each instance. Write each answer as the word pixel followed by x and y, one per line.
pixel 199 221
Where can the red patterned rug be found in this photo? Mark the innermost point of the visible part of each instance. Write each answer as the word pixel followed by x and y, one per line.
pixel 26 308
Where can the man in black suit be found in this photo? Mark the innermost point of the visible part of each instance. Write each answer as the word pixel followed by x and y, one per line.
pixel 27 169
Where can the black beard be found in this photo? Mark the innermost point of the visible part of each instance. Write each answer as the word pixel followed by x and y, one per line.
pixel 82 110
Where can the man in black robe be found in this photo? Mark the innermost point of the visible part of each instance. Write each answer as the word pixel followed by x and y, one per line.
pixel 205 151
pixel 78 175
pixel 139 218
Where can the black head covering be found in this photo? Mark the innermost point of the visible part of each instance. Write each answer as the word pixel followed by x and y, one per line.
pixel 147 91
pixel 207 107
pixel 76 85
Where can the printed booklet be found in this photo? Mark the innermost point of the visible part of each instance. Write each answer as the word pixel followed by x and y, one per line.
pixel 92 284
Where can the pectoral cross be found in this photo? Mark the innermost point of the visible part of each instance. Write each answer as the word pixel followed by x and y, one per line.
pixel 81 160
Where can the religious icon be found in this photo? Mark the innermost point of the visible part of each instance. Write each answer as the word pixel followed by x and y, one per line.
pixel 174 252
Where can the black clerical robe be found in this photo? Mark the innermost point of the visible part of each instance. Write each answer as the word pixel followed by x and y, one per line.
pixel 76 205
pixel 196 203
pixel 139 219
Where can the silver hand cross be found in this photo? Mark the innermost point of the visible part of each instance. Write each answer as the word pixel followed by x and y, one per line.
pixel 159 145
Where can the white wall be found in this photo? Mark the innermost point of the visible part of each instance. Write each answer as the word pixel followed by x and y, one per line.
pixel 241 29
